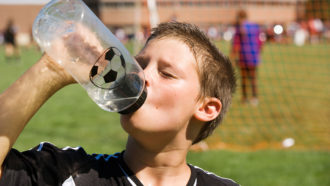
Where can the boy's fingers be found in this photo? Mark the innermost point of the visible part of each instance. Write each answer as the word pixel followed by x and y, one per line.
pixel 54 66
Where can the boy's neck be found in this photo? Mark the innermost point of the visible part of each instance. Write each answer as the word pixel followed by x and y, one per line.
pixel 154 167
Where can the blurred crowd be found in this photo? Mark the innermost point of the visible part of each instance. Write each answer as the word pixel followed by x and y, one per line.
pixel 303 32
pixel 311 31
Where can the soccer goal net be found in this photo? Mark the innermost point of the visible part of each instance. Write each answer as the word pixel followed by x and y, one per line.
pixel 288 103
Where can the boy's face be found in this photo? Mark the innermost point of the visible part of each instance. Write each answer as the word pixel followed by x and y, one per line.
pixel 173 87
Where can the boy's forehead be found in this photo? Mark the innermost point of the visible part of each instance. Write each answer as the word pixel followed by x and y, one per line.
pixel 154 43
pixel 156 40
pixel 171 53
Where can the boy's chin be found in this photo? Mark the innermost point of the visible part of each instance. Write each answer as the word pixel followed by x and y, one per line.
pixel 128 122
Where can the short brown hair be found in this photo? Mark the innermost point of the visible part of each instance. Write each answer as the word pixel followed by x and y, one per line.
pixel 216 74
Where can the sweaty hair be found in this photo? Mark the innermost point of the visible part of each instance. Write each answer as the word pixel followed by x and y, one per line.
pixel 216 74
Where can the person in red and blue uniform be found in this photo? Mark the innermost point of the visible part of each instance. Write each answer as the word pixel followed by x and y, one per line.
pixel 246 48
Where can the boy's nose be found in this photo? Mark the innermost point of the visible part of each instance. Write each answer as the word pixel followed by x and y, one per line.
pixel 148 76
pixel 147 83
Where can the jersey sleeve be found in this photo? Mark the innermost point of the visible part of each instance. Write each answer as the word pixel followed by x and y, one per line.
pixel 45 164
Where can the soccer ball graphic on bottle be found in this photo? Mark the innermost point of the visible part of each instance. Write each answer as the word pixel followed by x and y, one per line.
pixel 109 70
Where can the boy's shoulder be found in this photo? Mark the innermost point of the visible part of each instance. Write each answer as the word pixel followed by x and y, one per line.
pixel 203 177
pixel 56 166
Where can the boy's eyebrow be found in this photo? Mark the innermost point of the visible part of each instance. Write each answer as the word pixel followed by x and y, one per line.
pixel 166 63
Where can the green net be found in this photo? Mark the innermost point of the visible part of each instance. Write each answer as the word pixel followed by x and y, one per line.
pixel 293 80
pixel 294 102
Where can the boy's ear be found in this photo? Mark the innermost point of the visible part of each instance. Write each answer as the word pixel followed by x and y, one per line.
pixel 208 109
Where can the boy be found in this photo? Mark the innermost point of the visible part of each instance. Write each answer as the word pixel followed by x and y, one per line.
pixel 189 84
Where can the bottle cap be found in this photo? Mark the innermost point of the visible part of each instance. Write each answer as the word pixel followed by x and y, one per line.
pixel 139 102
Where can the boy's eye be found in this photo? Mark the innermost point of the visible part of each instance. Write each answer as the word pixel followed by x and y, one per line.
pixel 166 75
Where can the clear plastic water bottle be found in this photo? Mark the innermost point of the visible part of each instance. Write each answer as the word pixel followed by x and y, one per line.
pixel 70 33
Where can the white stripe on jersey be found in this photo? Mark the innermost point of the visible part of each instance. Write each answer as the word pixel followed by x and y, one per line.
pixel 40 146
pixel 127 177
pixel 69 182
pixel 211 173
pixel 195 183
pixel 73 148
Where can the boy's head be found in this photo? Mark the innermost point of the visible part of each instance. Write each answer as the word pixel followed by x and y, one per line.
pixel 189 83
pixel 216 74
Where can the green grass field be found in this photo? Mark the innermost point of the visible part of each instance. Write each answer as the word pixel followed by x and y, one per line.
pixel 70 118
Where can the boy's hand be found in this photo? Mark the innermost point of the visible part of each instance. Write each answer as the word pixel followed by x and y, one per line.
pixel 64 77
pixel 76 52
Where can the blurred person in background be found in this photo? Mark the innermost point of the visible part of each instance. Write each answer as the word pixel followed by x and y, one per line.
pixel 315 28
pixel 11 48
pixel 246 48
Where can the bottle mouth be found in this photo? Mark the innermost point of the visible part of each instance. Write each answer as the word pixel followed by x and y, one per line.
pixel 139 102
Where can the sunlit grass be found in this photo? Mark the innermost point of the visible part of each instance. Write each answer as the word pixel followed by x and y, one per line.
pixel 294 102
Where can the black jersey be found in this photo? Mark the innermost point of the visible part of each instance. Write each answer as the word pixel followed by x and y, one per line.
pixel 48 165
